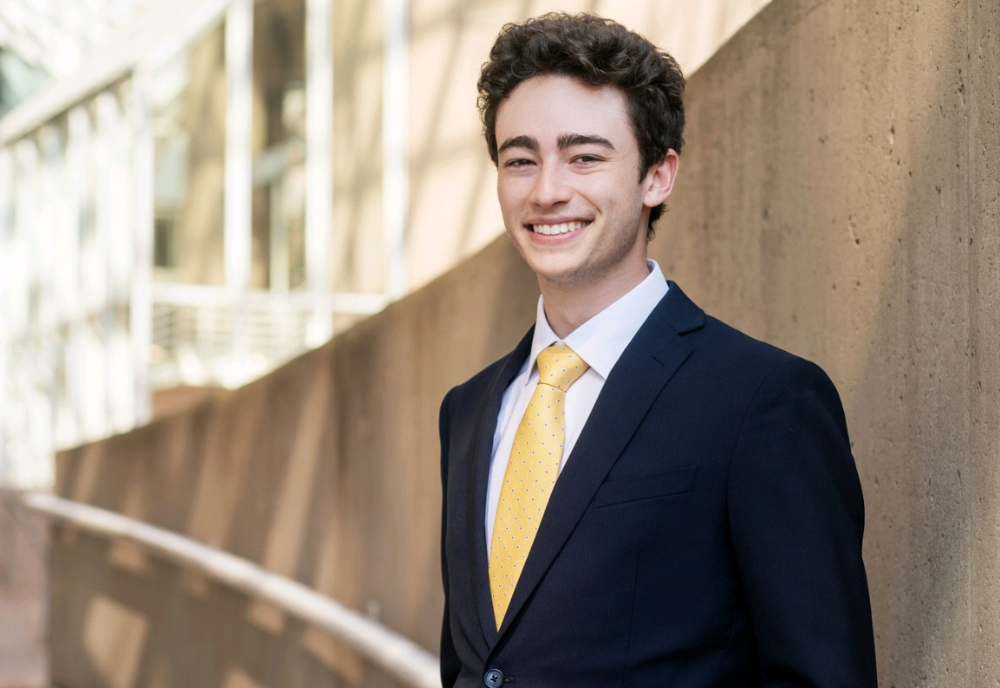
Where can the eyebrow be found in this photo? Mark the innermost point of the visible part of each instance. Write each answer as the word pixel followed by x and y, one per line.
pixel 563 142
pixel 567 140
pixel 523 141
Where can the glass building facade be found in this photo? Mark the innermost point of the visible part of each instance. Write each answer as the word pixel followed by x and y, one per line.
pixel 175 228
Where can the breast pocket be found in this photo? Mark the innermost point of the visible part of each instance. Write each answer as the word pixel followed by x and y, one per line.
pixel 633 489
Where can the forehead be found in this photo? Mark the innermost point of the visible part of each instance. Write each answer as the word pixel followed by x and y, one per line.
pixel 546 107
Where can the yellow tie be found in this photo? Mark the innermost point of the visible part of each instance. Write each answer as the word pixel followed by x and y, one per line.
pixel 531 472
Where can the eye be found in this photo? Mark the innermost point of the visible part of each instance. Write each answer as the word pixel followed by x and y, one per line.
pixel 517 163
pixel 587 159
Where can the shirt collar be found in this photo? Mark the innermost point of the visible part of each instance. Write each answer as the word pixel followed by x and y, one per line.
pixel 601 340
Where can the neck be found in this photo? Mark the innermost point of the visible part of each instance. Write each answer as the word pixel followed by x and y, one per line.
pixel 569 305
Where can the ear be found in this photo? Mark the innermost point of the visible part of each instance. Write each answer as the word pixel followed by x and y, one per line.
pixel 659 180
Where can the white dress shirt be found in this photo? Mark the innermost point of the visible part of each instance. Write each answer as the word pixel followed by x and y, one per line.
pixel 599 342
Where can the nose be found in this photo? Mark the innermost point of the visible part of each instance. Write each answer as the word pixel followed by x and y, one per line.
pixel 550 187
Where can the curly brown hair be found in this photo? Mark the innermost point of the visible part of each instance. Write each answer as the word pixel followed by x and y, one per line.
pixel 598 52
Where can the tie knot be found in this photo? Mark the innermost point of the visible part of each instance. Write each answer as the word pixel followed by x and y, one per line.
pixel 560 366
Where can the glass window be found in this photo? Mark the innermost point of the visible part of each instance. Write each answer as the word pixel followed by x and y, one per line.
pixel 279 120
pixel 188 99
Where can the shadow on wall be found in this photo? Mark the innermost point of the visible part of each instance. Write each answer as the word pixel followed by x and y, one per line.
pixel 836 199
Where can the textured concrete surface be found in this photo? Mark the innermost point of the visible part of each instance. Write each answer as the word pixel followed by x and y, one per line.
pixel 839 196
pixel 24 551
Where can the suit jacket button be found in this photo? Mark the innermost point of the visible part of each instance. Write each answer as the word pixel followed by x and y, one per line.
pixel 493 678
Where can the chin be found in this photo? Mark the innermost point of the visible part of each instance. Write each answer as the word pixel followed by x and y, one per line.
pixel 545 266
pixel 563 276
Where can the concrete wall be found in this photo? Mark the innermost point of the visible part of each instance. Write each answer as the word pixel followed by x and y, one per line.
pixel 839 197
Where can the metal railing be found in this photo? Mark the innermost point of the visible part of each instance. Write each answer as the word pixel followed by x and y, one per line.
pixel 212 335
pixel 396 655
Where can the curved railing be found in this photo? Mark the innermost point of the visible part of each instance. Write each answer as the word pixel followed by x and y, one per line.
pixel 395 654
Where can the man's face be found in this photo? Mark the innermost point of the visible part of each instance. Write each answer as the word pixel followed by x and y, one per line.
pixel 568 182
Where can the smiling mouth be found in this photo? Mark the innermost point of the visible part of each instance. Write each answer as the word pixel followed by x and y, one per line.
pixel 561 228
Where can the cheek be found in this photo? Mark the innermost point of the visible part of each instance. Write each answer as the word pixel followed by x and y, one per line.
pixel 508 211
pixel 626 195
pixel 510 197
pixel 609 189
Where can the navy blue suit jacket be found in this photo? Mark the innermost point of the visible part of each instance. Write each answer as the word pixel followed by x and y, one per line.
pixel 707 531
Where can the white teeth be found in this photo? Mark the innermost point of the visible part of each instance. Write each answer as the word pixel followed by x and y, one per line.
pixel 558 229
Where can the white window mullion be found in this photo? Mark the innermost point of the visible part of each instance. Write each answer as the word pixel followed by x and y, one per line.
pixel 6 285
pixel 395 145
pixel 239 165
pixel 141 299
pixel 319 167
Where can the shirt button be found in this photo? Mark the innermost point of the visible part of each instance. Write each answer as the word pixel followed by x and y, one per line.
pixel 493 678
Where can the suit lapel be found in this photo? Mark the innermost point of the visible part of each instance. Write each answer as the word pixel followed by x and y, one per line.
pixel 483 443
pixel 645 367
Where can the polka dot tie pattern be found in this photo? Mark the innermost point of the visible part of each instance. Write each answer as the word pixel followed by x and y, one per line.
pixel 531 472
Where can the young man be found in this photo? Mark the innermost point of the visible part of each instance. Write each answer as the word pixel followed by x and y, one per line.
pixel 637 495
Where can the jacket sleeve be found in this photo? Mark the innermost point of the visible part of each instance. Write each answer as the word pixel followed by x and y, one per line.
pixel 450 665
pixel 796 517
